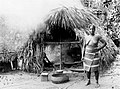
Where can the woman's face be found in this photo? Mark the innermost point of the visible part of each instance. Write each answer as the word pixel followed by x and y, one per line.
pixel 92 30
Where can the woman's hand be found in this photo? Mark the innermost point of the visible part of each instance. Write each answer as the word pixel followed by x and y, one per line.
pixel 82 59
pixel 103 44
pixel 96 49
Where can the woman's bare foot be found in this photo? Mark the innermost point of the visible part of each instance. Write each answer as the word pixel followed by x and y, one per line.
pixel 97 85
pixel 88 83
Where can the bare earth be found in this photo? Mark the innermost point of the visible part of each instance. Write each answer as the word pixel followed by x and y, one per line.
pixel 22 80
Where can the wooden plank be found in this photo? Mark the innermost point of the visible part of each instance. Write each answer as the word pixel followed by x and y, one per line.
pixel 77 70
pixel 58 43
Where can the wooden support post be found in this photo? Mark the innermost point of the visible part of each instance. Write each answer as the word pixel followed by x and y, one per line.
pixel 11 65
pixel 42 50
pixel 60 56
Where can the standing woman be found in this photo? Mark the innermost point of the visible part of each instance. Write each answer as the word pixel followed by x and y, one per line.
pixel 90 54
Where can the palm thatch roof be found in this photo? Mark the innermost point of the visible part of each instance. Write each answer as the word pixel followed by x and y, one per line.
pixel 64 20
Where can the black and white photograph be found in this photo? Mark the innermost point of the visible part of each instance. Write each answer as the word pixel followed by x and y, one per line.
pixel 59 44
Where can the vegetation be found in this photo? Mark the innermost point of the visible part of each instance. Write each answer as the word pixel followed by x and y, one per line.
pixel 108 11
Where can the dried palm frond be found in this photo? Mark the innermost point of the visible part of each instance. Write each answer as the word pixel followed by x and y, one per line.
pixel 65 20
pixel 70 18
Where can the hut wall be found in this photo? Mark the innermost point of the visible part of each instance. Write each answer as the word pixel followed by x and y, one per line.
pixel 53 54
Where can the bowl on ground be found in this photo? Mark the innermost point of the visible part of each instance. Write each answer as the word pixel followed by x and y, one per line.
pixel 59 78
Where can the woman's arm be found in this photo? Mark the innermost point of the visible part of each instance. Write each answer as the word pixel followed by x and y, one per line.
pixel 103 42
pixel 83 49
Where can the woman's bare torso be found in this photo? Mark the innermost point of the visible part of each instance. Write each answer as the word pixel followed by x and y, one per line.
pixel 92 42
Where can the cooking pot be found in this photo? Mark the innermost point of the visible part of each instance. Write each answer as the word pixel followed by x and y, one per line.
pixel 59 78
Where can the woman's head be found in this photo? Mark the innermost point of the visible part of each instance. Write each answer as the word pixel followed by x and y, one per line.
pixel 92 30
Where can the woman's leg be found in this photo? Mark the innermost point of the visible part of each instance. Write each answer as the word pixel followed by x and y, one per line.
pixel 88 73
pixel 97 78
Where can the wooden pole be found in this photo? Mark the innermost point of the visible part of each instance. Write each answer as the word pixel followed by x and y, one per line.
pixel 60 56
pixel 11 65
pixel 42 51
pixel 58 43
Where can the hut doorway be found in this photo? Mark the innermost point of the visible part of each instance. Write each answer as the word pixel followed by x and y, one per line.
pixel 69 53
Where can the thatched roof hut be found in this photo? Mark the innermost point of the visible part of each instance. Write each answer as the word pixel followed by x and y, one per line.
pixel 59 27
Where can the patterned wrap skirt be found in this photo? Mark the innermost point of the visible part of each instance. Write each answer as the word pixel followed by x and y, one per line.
pixel 91 59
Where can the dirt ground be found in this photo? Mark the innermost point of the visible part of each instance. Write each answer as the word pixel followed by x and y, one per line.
pixel 22 80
